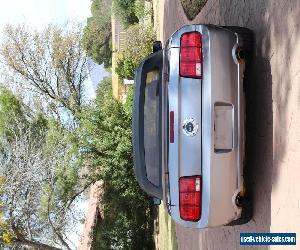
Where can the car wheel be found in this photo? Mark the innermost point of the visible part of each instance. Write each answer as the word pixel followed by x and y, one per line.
pixel 248 39
pixel 157 46
pixel 247 210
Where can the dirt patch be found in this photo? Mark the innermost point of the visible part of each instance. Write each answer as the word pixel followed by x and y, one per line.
pixel 192 7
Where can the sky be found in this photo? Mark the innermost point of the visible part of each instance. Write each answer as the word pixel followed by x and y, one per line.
pixel 40 12
pixel 37 14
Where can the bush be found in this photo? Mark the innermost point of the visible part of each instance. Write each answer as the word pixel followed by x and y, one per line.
pixel 138 44
pixel 139 41
pixel 126 66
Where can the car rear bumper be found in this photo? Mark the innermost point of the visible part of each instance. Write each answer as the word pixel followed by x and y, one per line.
pixel 222 105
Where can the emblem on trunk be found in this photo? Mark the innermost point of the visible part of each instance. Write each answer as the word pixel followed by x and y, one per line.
pixel 190 127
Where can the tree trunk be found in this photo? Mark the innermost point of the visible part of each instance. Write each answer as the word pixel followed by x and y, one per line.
pixel 35 244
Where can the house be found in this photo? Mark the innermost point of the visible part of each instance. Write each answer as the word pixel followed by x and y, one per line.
pixel 118 42
pixel 93 219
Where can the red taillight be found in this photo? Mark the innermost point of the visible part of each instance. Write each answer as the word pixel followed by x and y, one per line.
pixel 191 39
pixel 172 127
pixel 190 64
pixel 190 198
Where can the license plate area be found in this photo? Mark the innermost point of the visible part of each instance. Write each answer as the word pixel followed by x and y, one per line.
pixel 223 127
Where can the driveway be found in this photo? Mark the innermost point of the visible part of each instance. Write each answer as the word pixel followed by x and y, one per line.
pixel 273 114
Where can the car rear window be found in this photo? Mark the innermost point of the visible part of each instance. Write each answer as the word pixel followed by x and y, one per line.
pixel 151 127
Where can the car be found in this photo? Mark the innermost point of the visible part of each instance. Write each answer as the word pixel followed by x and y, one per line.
pixel 189 125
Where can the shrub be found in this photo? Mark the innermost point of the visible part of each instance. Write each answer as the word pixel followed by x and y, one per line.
pixel 126 66
pixel 138 45
pixel 139 40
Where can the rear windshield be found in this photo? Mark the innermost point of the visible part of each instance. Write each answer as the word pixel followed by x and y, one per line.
pixel 151 127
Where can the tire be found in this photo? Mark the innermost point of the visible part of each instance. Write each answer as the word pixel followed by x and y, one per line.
pixel 247 212
pixel 157 46
pixel 248 39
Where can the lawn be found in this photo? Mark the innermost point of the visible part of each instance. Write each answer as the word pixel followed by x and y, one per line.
pixel 166 238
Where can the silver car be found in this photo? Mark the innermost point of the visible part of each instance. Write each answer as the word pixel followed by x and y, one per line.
pixel 189 125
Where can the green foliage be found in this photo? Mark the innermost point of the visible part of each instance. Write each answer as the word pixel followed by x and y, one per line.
pixel 97 33
pixel 142 10
pixel 139 41
pixel 125 11
pixel 64 144
pixel 138 44
pixel 106 136
pixel 126 66
pixel 11 113
pixel 39 125
pixel 139 8
pixel 14 119
pixel 129 101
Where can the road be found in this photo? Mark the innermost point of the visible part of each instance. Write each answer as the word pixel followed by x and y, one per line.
pixel 273 114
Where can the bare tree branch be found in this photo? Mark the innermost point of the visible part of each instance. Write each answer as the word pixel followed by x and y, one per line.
pixel 33 211
pixel 52 62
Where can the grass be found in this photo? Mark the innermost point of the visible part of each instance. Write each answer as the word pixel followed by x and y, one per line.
pixel 164 233
pixel 192 7
pixel 166 227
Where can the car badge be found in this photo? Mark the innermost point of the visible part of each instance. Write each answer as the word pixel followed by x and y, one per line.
pixel 190 127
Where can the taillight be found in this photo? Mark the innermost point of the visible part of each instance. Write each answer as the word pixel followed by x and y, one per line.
pixel 190 61
pixel 190 198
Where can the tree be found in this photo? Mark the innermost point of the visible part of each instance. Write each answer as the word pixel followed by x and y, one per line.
pixel 38 209
pixel 25 172
pixel 50 63
pixel 39 179
pixel 97 33
pixel 125 11
pixel 106 139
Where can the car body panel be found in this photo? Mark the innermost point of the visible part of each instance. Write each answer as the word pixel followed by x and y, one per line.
pixel 196 98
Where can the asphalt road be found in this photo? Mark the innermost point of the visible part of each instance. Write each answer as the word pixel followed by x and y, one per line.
pixel 273 115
